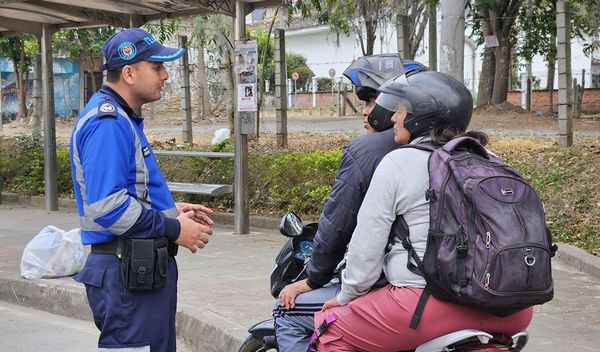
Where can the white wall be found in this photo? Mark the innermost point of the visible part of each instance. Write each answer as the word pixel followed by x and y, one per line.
pixel 320 47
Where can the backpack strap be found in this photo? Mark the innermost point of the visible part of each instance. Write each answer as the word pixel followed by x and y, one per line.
pixel 414 322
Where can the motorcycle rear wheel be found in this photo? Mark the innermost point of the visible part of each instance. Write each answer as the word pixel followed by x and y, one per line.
pixel 252 344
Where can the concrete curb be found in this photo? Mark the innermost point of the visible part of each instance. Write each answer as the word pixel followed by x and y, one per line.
pixel 43 294
pixel 579 259
pixel 200 329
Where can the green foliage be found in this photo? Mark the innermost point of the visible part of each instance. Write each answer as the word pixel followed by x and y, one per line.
pixel 301 181
pixel 81 43
pixel 22 166
pixel 164 29
pixel 565 178
pixel 10 47
pixel 223 146
pixel 305 75
pixel 324 84
pixel 297 63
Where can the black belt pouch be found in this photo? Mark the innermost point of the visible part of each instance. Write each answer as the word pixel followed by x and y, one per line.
pixel 145 264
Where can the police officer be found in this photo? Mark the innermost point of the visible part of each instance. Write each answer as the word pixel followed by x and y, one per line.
pixel 126 211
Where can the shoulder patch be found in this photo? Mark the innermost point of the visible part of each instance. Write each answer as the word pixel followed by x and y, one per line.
pixel 107 108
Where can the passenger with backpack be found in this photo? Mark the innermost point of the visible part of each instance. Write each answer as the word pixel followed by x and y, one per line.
pixel 466 228
pixel 297 303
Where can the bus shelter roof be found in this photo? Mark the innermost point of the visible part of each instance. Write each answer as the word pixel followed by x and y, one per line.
pixel 28 16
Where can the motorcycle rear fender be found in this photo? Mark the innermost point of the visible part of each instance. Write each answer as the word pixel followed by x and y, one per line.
pixel 438 344
pixel 263 329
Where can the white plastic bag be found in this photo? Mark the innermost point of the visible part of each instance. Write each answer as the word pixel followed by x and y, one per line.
pixel 52 253
pixel 220 135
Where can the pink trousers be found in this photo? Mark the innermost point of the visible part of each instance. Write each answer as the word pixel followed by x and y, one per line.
pixel 379 321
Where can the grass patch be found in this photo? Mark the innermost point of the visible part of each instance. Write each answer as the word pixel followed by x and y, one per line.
pixel 567 179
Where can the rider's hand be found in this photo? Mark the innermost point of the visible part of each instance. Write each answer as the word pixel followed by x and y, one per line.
pixel 287 296
pixel 200 213
pixel 332 303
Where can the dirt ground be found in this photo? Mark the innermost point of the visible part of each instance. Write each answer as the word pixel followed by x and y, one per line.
pixel 310 131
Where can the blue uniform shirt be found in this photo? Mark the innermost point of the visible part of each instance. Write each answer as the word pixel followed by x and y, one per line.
pixel 117 183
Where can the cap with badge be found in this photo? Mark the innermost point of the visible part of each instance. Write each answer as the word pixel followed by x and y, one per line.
pixel 133 45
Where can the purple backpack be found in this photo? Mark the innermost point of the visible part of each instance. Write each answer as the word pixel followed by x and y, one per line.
pixel 488 245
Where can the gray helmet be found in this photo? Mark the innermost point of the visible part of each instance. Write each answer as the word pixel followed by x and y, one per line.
pixel 429 98
pixel 367 73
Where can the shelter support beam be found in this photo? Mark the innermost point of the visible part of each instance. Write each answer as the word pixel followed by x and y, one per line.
pixel 242 209
pixel 50 189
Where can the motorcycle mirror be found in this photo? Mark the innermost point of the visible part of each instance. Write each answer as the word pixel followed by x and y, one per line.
pixel 291 225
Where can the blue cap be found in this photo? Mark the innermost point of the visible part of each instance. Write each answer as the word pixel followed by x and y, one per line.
pixel 133 45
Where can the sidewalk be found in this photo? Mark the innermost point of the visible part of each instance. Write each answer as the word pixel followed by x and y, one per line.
pixel 223 289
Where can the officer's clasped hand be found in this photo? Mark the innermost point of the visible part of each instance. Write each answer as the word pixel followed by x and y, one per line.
pixel 193 234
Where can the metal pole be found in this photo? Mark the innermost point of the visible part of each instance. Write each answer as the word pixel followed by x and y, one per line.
pixel 565 97
pixel 187 135
pixel 242 209
pixel 314 92
pixel 50 189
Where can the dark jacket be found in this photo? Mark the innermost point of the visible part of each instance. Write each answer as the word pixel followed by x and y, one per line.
pixel 338 219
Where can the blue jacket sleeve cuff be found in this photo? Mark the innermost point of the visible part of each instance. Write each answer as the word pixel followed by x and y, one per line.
pixel 172 228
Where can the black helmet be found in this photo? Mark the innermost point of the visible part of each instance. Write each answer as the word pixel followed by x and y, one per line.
pixel 367 73
pixel 429 97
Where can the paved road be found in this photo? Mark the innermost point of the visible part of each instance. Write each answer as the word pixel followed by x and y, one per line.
pixel 223 289
pixel 24 329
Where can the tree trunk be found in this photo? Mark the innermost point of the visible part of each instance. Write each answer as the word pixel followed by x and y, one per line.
pixel 203 96
pixel 502 71
pixel 22 88
pixel 228 90
pixel 486 82
pixel 432 37
pixel 371 27
pixel 551 69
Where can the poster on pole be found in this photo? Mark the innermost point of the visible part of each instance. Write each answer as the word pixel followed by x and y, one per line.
pixel 245 61
pixel 246 97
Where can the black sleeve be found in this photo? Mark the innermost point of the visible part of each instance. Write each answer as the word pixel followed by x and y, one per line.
pixel 337 221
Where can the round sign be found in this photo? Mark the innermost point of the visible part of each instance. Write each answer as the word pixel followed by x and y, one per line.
pixel 332 72
pixel 295 76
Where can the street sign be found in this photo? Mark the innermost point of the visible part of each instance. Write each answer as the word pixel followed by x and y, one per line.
pixel 295 76
pixel 332 72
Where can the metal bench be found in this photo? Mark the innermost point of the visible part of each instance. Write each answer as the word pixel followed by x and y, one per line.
pixel 198 188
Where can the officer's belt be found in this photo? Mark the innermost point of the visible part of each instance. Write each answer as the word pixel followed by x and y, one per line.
pixel 111 248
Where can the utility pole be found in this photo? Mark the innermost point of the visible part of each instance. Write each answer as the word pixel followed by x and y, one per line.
pixel 565 97
pixel 242 209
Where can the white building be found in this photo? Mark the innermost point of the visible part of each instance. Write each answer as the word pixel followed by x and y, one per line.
pixel 325 49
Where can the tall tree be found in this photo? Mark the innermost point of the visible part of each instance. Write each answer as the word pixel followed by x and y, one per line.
pixel 411 20
pixel 362 17
pixel 84 44
pixel 215 33
pixel 495 22
pixel 20 49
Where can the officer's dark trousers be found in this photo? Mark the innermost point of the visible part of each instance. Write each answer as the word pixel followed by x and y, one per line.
pixel 139 320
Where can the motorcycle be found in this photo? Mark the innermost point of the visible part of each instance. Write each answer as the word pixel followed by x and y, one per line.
pixel 290 266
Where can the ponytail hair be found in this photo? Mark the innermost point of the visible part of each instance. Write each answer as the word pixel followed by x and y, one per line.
pixel 443 132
